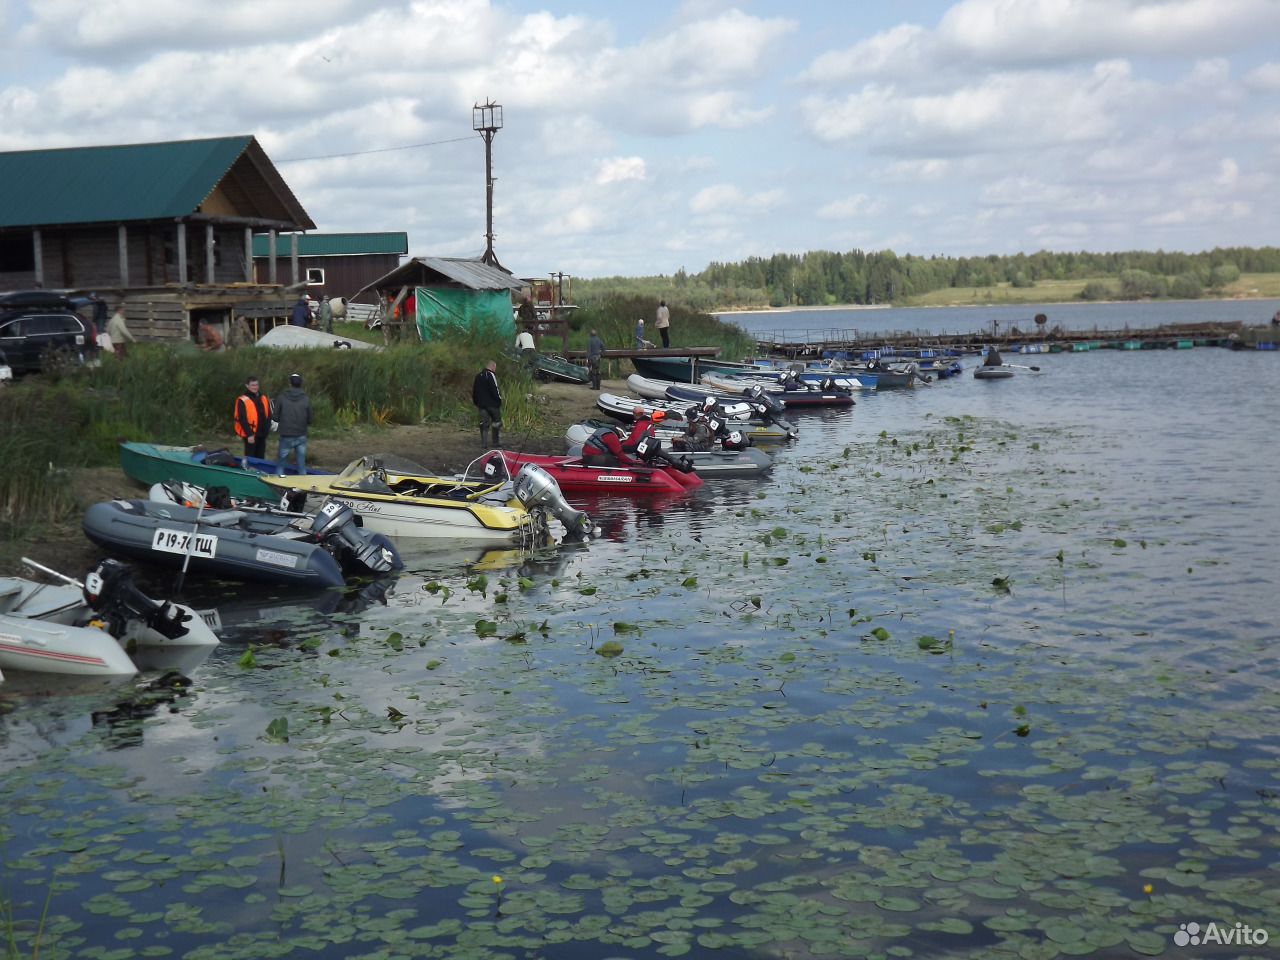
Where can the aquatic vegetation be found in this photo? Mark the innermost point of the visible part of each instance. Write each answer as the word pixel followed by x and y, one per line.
pixel 682 747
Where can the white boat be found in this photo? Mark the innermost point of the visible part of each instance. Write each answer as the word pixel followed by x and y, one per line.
pixel 648 387
pixel 403 504
pixel 88 629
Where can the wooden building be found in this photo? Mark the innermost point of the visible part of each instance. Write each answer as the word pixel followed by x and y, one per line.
pixel 166 228
pixel 333 264
pixel 431 295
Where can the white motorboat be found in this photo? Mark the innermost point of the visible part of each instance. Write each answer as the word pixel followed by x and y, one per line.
pixel 94 628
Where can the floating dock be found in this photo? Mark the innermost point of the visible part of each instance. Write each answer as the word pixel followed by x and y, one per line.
pixel 809 345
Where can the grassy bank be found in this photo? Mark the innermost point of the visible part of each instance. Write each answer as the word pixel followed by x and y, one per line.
pixel 77 418
pixel 164 394
pixel 1259 285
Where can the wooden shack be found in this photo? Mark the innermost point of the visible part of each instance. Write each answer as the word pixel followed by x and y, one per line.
pixel 332 264
pixel 433 295
pixel 166 228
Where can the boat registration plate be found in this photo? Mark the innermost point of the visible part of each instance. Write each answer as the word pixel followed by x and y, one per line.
pixel 182 541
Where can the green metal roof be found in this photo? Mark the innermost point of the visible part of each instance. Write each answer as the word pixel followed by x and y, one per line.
pixel 129 182
pixel 332 244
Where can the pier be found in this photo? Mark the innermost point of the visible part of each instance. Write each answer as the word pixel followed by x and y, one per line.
pixel 814 344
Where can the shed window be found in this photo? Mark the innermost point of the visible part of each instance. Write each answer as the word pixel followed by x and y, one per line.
pixel 315 276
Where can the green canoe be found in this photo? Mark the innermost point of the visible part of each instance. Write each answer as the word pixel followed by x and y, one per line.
pixel 150 463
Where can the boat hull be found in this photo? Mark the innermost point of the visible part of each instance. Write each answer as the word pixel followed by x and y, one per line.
pixel 685 369
pixel 717 464
pixel 49 628
pixel 170 535
pixel 392 509
pixel 149 463
pixel 574 475
pixel 992 373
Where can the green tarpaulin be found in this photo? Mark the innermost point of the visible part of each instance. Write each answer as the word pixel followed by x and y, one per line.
pixel 439 311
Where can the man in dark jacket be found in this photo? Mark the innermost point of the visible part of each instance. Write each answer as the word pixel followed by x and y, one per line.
pixel 301 316
pixel 595 351
pixel 293 413
pixel 488 399
pixel 253 418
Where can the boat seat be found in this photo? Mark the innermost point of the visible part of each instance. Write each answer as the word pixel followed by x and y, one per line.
pixel 9 588
pixel 224 518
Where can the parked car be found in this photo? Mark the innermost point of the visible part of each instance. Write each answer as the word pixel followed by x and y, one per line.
pixel 39 325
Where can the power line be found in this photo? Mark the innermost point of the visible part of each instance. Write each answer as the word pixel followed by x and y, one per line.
pixel 364 153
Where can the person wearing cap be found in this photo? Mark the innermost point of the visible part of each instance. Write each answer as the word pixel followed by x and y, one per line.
pixel 293 414
pixel 595 351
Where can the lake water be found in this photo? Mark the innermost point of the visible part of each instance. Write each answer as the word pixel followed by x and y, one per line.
pixel 984 669
pixel 820 323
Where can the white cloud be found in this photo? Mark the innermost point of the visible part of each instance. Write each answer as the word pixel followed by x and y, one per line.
pixel 1001 111
pixel 1040 31
pixel 619 169
pixel 1265 78
pixel 726 198
pixel 898 52
pixel 859 205
pixel 1228 173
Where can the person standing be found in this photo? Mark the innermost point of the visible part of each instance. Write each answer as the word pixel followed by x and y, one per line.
pixel 293 414
pixel 253 419
pixel 119 332
pixel 664 323
pixel 208 337
pixel 595 353
pixel 526 315
pixel 525 347
pixel 301 316
pixel 640 340
pixel 487 397
pixel 326 314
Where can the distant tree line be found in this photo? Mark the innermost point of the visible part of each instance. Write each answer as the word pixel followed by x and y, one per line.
pixel 823 278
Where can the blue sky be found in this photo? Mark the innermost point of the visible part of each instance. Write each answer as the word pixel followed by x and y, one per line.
pixel 643 139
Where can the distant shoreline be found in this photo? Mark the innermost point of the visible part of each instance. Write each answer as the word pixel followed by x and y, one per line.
pixel 756 311
pixel 805 309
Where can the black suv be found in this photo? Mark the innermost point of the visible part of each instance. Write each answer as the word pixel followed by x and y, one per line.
pixel 37 325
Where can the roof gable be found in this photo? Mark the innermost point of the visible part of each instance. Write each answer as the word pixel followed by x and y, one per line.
pixel 143 181
pixel 333 244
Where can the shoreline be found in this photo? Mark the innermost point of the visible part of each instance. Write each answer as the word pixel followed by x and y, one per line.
pixel 851 307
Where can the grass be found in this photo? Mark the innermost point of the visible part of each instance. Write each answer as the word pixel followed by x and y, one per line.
pixel 1262 285
pixel 163 394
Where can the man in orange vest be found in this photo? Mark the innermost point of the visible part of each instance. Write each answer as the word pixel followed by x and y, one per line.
pixel 253 419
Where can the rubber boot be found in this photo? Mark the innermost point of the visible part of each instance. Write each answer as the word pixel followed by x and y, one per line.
pixel 496 433
pixel 484 437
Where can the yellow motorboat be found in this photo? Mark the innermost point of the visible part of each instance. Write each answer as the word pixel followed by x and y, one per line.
pixel 404 504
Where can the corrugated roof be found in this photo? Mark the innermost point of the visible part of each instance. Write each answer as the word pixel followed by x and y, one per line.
pixel 474 274
pixel 140 181
pixel 332 244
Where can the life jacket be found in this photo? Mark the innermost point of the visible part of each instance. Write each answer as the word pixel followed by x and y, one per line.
pixel 251 414
pixel 595 444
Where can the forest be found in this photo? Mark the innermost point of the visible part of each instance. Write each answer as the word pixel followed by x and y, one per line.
pixel 826 278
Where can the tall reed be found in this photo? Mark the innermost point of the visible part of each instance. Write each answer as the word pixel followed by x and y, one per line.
pixel 164 394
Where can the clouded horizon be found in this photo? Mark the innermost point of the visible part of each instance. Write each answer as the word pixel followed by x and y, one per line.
pixel 644 139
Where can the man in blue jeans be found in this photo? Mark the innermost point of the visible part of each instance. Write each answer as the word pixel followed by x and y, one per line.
pixel 293 414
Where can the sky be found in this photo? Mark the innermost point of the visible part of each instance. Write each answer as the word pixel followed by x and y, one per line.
pixel 642 139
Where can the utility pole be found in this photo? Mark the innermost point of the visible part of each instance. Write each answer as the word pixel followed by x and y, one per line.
pixel 486 120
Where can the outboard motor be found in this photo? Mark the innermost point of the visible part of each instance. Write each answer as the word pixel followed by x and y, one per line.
pixel 109 589
pixel 773 407
pixel 334 525
pixel 735 440
pixel 534 487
